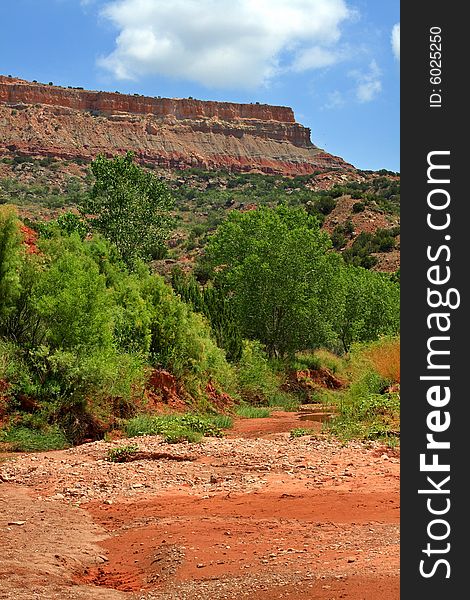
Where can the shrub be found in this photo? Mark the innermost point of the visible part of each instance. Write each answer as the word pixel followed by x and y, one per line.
pixel 181 340
pixel 300 432
pixel 257 382
pixel 122 453
pixel 358 207
pixel 71 297
pixel 10 260
pixel 174 428
pixel 25 439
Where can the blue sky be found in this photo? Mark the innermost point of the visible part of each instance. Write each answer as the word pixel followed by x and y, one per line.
pixel 335 62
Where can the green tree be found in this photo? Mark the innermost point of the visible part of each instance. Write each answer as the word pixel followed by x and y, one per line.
pixel 276 267
pixel 10 241
pixel 128 206
pixel 371 306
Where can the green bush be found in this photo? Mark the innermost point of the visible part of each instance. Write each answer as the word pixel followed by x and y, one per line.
pixel 176 428
pixel 300 432
pixel 122 453
pixel 10 260
pixel 25 439
pixel 257 382
pixel 182 341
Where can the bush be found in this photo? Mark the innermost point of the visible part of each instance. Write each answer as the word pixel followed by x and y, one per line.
pixel 257 382
pixel 10 261
pixel 358 207
pixel 368 408
pixel 122 453
pixel 25 439
pixel 300 432
pixel 176 428
pixel 181 341
pixel 71 298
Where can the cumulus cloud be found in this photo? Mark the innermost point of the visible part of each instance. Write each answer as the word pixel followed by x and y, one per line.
pixel 396 40
pixel 224 43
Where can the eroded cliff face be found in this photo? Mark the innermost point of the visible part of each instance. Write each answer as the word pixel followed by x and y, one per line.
pixel 37 119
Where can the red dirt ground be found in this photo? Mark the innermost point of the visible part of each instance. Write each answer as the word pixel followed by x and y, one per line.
pixel 255 515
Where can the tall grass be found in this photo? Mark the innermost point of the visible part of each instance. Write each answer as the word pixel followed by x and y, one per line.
pixel 385 358
pixel 176 428
pixel 370 407
pixel 252 412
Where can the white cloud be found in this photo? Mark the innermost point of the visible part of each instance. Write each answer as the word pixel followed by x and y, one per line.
pixel 396 40
pixel 224 43
pixel 368 84
pixel 335 100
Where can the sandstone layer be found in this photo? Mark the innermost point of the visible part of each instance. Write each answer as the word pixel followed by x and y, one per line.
pixel 46 120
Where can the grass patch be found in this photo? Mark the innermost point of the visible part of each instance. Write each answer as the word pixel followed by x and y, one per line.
pixel 222 421
pixel 300 432
pixel 122 453
pixel 284 401
pixel 367 410
pixel 24 439
pixel 178 428
pixel 334 363
pixel 252 412
pixel 305 361
pixel 385 357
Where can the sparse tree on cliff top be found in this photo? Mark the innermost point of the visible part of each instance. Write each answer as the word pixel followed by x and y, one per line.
pixel 129 206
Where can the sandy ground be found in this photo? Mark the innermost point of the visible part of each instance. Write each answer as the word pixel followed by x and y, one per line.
pixel 253 515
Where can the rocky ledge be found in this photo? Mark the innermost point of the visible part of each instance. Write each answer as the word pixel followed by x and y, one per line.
pixel 47 120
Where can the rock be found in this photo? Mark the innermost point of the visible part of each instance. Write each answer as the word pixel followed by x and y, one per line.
pixel 103 558
pixel 168 132
pixel 16 522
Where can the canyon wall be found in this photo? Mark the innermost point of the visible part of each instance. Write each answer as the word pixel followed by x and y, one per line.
pixel 46 120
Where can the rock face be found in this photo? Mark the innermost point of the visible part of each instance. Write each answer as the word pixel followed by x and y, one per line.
pixel 45 120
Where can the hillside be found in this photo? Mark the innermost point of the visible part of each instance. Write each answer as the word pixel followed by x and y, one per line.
pixel 71 123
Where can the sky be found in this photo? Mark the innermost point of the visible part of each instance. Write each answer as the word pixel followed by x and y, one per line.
pixel 335 62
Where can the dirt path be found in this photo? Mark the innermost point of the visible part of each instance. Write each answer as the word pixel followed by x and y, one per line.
pixel 256 514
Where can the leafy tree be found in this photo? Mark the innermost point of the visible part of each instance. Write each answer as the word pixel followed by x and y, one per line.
pixel 371 306
pixel 212 303
pixel 9 261
pixel 275 266
pixel 71 298
pixel 128 206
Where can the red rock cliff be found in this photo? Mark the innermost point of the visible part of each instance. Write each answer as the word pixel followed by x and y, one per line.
pixel 40 119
